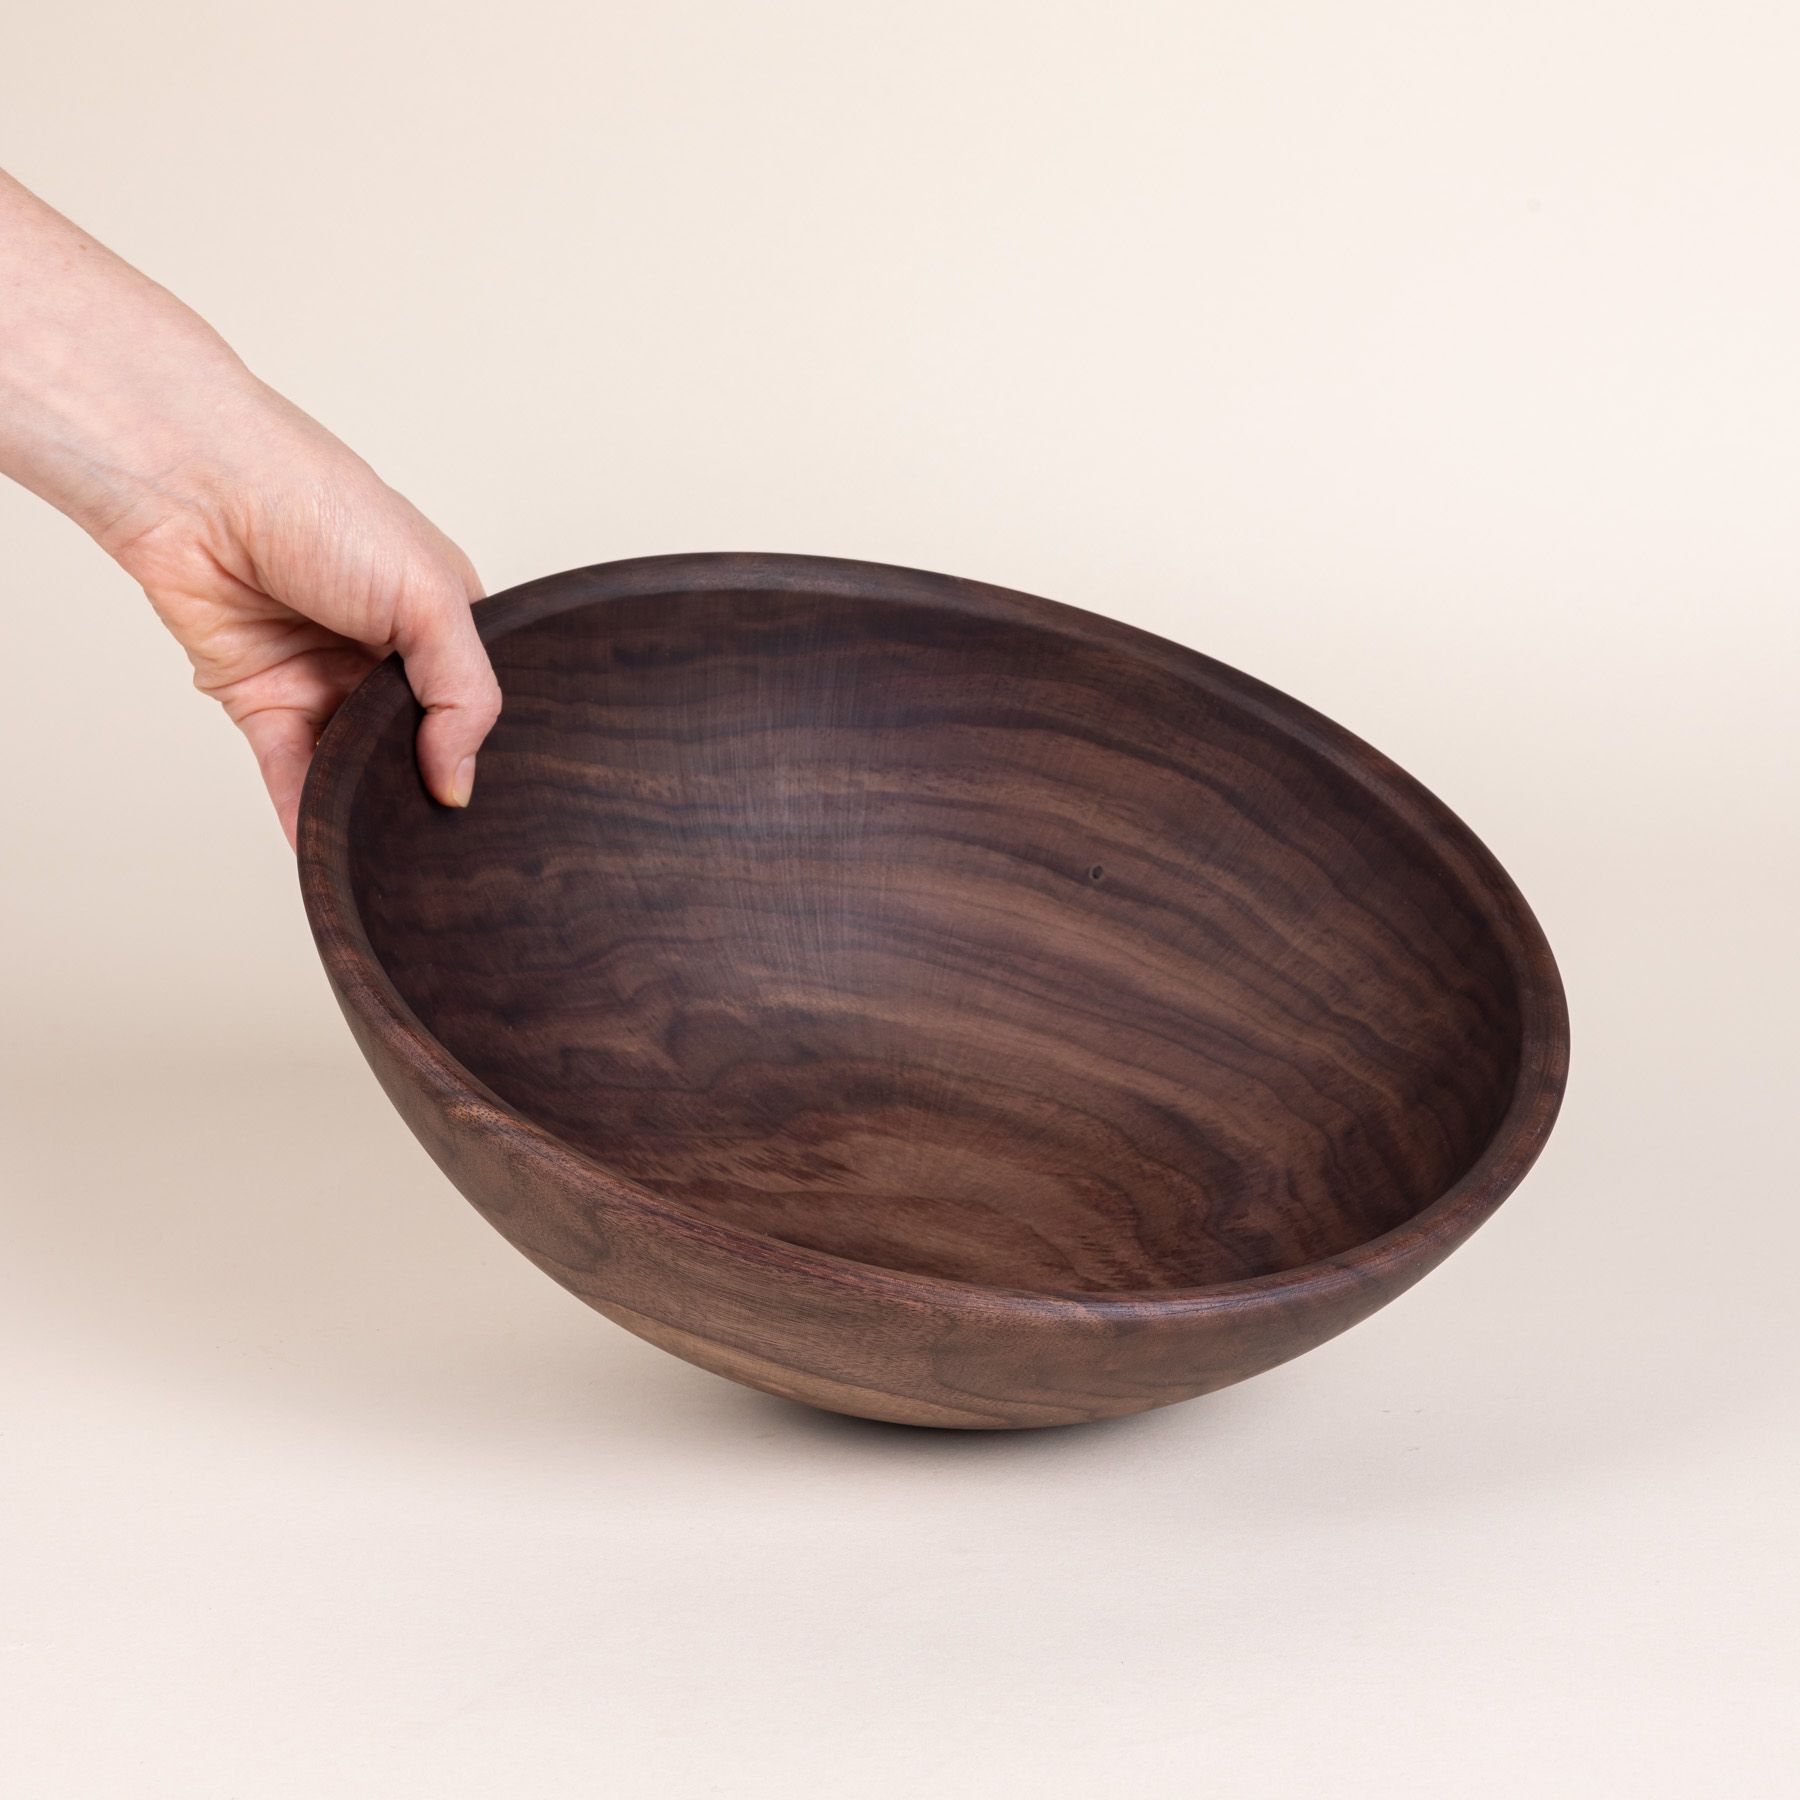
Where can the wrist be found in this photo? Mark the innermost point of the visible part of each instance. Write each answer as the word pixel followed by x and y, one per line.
pixel 120 436
pixel 115 398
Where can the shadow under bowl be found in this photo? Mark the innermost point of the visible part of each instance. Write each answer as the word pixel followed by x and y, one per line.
pixel 927 1001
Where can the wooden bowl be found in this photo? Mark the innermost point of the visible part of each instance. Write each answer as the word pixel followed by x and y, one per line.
pixel 927 1001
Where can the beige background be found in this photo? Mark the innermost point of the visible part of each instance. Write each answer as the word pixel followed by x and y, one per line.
pixel 1436 363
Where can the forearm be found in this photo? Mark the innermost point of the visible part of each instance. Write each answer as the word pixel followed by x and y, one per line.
pixel 280 560
pixel 115 398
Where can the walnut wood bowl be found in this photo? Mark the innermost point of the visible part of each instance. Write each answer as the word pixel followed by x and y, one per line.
pixel 927 1001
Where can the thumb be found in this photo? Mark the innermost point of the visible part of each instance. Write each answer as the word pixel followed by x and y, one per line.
pixel 451 677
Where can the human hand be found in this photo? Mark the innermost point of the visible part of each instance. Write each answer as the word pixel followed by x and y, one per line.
pixel 287 574
pixel 284 566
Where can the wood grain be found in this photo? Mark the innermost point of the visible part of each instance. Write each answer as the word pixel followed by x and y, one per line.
pixel 925 1000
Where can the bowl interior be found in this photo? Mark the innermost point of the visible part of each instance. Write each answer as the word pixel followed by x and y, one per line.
pixel 962 945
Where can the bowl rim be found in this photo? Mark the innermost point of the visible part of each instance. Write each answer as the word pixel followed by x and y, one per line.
pixel 1413 1246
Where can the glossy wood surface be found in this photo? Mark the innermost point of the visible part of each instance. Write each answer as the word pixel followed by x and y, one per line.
pixel 928 1001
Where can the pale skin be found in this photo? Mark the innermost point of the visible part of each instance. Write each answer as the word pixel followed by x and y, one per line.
pixel 282 563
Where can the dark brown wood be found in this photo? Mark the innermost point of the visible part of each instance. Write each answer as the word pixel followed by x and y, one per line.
pixel 927 1001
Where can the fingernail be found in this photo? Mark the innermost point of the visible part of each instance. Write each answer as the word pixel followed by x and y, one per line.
pixel 464 784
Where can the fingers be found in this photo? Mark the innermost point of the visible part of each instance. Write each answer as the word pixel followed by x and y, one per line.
pixel 454 682
pixel 283 706
pixel 283 738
